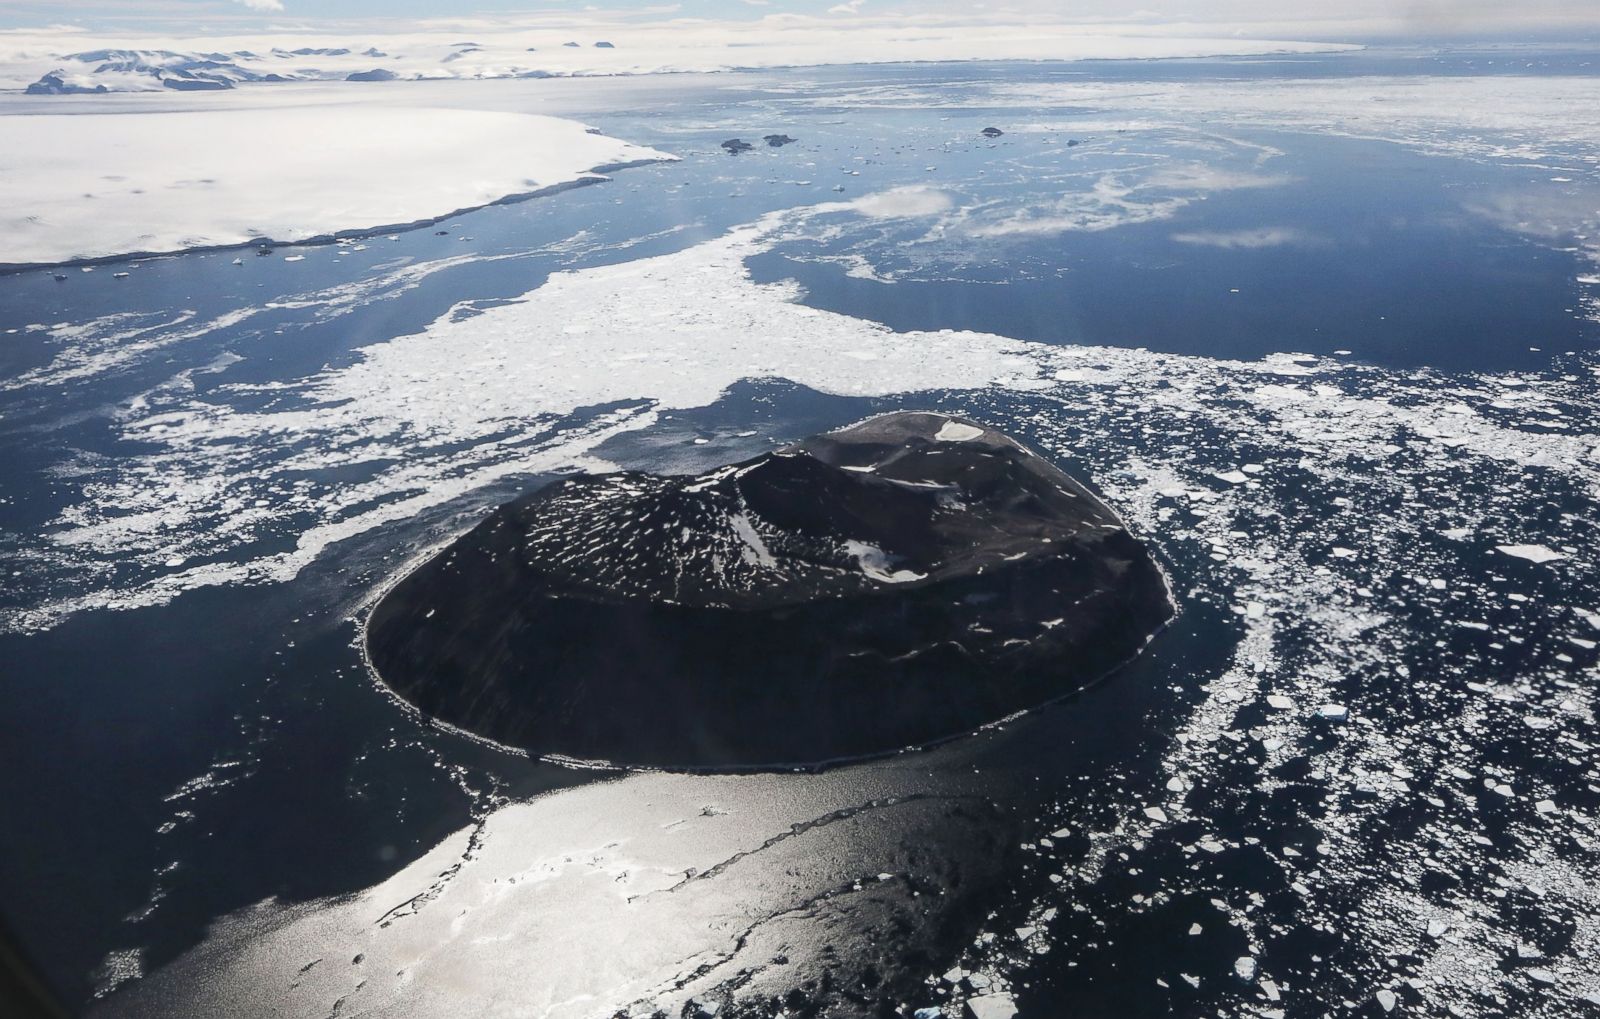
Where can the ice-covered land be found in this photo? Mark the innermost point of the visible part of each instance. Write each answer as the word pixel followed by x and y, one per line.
pixel 65 62
pixel 103 183
pixel 92 185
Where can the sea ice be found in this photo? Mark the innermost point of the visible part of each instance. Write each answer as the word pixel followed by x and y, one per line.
pixel 1245 968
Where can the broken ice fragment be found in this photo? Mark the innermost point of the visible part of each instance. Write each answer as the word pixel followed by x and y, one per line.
pixel 1532 553
pixel 991 1006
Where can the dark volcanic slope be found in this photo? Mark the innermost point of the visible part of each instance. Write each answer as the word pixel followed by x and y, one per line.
pixel 908 578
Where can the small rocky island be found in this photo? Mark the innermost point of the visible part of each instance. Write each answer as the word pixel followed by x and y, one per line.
pixel 900 581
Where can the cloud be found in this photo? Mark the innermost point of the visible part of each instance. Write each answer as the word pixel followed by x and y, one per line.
pixel 1114 202
pixel 1201 177
pixel 1551 215
pixel 1261 237
pixel 1073 216
pixel 904 202
pixel 275 6
pixel 1109 204
pixel 848 7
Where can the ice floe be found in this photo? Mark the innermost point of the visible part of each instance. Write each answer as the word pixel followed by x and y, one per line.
pixel 1532 553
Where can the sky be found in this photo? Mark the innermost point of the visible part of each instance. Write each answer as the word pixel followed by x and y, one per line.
pixel 1308 19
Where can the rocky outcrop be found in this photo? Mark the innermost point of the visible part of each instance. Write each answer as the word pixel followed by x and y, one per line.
pixel 901 581
pixel 54 84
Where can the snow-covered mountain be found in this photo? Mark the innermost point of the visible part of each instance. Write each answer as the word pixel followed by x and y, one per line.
pixel 118 70
pixel 139 70
pixel 151 70
pixel 58 62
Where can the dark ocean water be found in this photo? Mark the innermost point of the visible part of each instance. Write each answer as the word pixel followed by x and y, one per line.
pixel 1382 264
pixel 167 764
